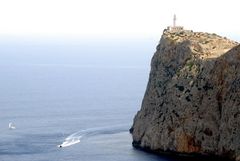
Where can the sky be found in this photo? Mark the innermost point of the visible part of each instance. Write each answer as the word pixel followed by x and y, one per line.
pixel 116 18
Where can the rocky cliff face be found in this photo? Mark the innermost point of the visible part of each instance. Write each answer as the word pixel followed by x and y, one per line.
pixel 192 100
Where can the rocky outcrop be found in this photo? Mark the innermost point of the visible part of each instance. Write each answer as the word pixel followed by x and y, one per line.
pixel 192 101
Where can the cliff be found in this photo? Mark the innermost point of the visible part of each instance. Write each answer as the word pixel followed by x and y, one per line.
pixel 192 101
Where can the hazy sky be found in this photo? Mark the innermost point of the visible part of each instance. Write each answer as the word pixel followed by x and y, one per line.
pixel 116 18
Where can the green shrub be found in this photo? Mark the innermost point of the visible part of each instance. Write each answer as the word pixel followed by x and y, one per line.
pixel 190 65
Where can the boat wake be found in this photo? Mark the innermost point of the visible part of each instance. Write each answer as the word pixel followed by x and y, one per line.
pixel 75 137
pixel 69 142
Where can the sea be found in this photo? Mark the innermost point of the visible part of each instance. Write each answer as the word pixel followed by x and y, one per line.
pixel 51 90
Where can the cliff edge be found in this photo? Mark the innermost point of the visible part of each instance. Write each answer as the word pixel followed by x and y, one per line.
pixel 192 101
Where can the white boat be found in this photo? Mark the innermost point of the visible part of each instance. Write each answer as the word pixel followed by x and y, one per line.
pixel 11 126
pixel 69 142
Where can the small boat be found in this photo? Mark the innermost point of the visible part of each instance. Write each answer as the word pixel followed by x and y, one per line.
pixel 69 142
pixel 11 126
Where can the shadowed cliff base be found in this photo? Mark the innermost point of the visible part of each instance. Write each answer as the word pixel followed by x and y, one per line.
pixel 192 101
pixel 175 156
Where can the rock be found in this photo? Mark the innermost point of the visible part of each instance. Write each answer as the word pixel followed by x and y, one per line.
pixel 192 101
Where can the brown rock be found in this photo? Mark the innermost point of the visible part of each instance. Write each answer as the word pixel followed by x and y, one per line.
pixel 192 100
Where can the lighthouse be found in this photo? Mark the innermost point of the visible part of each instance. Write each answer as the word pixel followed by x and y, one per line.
pixel 174 20
pixel 174 27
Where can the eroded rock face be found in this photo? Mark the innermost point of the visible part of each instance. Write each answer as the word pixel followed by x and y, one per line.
pixel 192 100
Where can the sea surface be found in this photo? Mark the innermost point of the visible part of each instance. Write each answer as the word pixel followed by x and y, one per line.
pixel 93 89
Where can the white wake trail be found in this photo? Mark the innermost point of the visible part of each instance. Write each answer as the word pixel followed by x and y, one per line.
pixel 75 137
pixel 70 140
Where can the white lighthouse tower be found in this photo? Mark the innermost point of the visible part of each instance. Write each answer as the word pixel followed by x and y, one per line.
pixel 174 27
pixel 174 20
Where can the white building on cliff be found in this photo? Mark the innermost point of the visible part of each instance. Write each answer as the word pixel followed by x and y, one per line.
pixel 175 28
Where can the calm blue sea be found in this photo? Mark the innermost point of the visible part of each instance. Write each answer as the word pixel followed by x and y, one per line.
pixel 52 90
